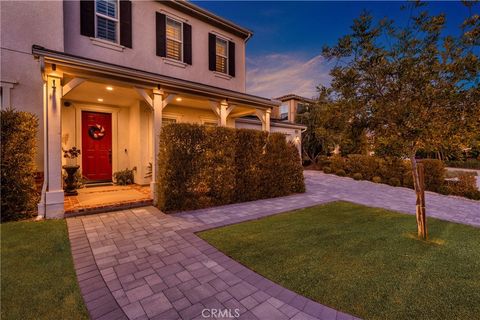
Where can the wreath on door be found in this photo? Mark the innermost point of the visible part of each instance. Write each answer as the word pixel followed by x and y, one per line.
pixel 96 132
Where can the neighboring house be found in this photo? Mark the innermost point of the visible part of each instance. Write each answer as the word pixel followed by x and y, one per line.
pixel 105 75
pixel 291 104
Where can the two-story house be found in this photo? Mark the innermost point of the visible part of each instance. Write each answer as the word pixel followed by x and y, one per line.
pixel 104 75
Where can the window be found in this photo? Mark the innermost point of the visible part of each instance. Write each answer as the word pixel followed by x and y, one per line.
pixel 221 55
pixel 284 111
pixel 174 39
pixel 106 19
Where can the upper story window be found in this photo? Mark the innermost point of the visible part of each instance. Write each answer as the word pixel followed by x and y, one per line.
pixel 106 20
pixel 221 55
pixel 174 39
pixel 284 111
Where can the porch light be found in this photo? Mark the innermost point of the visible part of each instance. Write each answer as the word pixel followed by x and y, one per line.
pixel 179 99
pixel 100 100
pixel 109 88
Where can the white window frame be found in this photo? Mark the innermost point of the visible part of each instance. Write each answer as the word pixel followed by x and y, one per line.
pixel 168 38
pixel 116 20
pixel 217 54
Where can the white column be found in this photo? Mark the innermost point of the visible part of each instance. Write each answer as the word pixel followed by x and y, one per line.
pixel 223 113
pixel 156 129
pixel 267 120
pixel 264 116
pixel 54 197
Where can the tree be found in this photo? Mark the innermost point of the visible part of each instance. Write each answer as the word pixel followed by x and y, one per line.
pixel 411 86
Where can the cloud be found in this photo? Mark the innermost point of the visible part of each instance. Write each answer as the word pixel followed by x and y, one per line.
pixel 275 75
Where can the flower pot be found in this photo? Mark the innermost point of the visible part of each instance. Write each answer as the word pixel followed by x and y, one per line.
pixel 70 189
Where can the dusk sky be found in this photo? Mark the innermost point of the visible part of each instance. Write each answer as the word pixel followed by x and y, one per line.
pixel 283 56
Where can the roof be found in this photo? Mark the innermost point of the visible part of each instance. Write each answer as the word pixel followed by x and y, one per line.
pixel 292 96
pixel 209 17
pixel 274 122
pixel 150 78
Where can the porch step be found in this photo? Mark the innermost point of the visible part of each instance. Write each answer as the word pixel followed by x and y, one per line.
pixel 98 184
pixel 107 208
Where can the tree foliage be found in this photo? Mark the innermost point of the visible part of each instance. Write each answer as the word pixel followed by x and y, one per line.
pixel 412 87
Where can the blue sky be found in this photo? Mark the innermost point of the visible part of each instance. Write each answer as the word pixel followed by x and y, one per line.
pixel 284 54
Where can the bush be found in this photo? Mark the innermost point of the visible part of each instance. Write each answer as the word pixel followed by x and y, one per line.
pixel 434 174
pixel 465 186
pixel 124 177
pixel 337 163
pixel 203 166
pixel 368 166
pixel 327 170
pixel 377 179
pixel 341 173
pixel 469 164
pixel 395 182
pixel 357 176
pixel 19 197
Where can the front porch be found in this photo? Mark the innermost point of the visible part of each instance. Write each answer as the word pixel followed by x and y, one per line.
pixel 107 198
pixel 114 116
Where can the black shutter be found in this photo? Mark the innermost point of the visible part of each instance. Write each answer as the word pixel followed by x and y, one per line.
pixel 212 39
pixel 87 18
pixel 126 23
pixel 187 43
pixel 161 21
pixel 231 58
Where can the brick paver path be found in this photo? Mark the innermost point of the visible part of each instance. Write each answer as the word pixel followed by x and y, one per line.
pixel 143 264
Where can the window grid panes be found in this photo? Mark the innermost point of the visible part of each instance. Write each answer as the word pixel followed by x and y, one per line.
pixel 221 61
pixel 174 39
pixel 106 19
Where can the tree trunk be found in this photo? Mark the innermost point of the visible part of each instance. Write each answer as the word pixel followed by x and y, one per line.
pixel 419 184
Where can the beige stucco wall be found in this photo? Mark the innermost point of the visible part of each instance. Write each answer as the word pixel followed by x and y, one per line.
pixel 24 23
pixel 143 54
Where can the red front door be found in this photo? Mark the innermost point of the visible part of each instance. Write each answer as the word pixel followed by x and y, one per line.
pixel 97 146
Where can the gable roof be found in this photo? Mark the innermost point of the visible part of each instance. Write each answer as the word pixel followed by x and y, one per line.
pixel 209 17
pixel 292 96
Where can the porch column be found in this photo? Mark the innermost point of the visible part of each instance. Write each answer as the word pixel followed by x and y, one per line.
pixel 222 110
pixel 54 197
pixel 157 105
pixel 264 116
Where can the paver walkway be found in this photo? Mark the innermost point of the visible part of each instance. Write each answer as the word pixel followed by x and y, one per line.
pixel 141 263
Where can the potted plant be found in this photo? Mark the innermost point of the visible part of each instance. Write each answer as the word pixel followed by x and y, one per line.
pixel 71 168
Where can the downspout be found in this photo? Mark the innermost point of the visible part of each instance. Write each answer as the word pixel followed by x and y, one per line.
pixel 42 205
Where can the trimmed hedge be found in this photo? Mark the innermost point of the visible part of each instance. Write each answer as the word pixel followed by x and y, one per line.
pixel 19 196
pixel 468 164
pixel 397 172
pixel 203 166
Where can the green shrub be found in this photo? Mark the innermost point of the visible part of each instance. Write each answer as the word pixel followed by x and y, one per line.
pixel 465 186
pixel 357 176
pixel 124 177
pixel 327 170
pixel 395 182
pixel 19 197
pixel 368 166
pixel 434 174
pixel 377 179
pixel 341 173
pixel 468 164
pixel 203 166
pixel 337 163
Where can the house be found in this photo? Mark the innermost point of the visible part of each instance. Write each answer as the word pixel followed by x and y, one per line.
pixel 105 75
pixel 291 104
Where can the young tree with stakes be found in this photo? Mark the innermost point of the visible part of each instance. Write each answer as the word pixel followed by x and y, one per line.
pixel 411 85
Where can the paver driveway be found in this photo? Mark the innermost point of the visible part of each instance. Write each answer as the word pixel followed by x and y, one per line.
pixel 141 263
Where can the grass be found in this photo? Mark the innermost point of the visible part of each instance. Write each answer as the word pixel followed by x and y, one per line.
pixel 363 261
pixel 38 280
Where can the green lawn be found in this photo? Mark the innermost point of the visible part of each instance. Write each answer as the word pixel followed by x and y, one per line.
pixel 37 276
pixel 364 261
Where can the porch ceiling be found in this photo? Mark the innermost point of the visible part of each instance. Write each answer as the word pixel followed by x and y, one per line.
pixel 91 92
